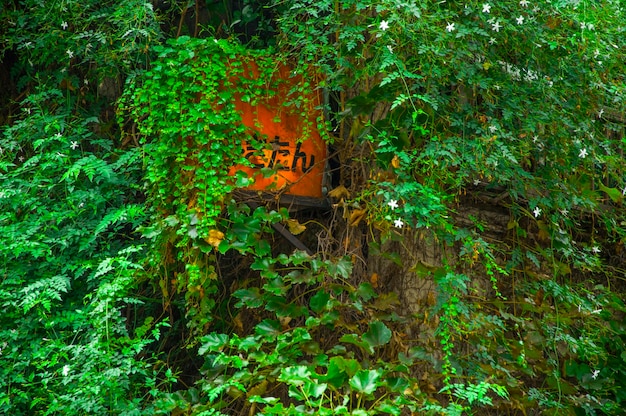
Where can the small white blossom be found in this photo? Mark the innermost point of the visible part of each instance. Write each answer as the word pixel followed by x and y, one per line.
pixel 493 128
pixel 535 138
pixel 398 223
pixel 64 25
pixel 537 212
pixel 393 204
pixel 58 135
pixel 583 153
pixel 564 212
pixel 624 191
pixel 496 26
pixel 595 249
pixel 69 53
pixel 74 145
pixel 66 370
pixel 82 204
pixel 21 158
pixel 600 113
pixel 520 20
pixel 492 41
pixel 450 27
pixel 486 8
pixel 523 3
pixel 384 25
pixel 477 182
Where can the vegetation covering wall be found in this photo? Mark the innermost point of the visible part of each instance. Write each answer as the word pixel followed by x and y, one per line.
pixel 470 259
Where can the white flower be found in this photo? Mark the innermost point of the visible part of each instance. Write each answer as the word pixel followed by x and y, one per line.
pixel 537 212
pixel 523 3
pixel 58 135
pixel 496 26
pixel 595 249
pixel 450 27
pixel 66 370
pixel 583 153
pixel 520 20
pixel 476 182
pixel 390 48
pixel 600 113
pixel 595 374
pixel 624 191
pixel 492 41
pixel 493 128
pixel 74 145
pixel 398 223
pixel 21 158
pixel 82 204
pixel 564 212
pixel 393 204
pixel 535 138
pixel 384 25
pixel 486 8
pixel 69 53
pixel 64 25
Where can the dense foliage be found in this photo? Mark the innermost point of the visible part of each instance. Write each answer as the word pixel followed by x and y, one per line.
pixel 134 279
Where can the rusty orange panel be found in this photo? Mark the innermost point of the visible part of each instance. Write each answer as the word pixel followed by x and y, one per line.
pixel 293 144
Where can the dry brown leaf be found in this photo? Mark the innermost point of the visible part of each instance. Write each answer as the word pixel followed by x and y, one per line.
pixel 295 227
pixel 356 216
pixel 339 192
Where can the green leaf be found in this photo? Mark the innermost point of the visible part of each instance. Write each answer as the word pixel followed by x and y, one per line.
pixel 212 342
pixel 356 340
pixel 249 297
pixel 613 193
pixel 319 301
pixel 377 335
pixel 268 327
pixel 365 381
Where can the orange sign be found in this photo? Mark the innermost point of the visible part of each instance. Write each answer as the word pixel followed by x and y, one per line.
pixel 291 144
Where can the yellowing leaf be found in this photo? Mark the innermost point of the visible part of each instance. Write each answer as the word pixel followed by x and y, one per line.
pixel 215 238
pixel 395 162
pixel 295 227
pixel 339 192
pixel 374 280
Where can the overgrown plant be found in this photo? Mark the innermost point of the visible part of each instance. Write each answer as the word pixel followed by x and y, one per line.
pixel 70 201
